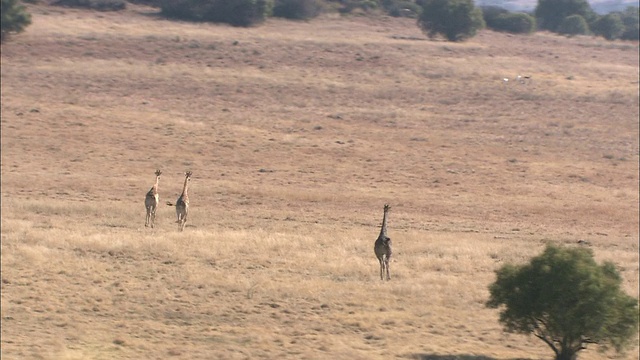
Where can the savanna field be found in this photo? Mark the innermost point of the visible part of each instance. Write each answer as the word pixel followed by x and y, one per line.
pixel 297 134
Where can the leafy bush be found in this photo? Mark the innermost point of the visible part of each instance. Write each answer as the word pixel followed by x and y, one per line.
pixel 15 18
pixel 630 20
pixel 491 13
pixel 456 20
pixel 102 5
pixel 609 26
pixel 246 12
pixel 516 23
pixel 154 3
pixel 366 5
pixel 401 8
pixel 573 25
pixel 564 298
pixel 297 9
pixel 234 12
pixel 550 14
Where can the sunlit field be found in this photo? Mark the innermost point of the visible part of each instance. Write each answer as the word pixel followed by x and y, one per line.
pixel 297 134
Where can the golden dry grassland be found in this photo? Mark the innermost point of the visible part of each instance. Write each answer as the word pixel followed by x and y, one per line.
pixel 297 133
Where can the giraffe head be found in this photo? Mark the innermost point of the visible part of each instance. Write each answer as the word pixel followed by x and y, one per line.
pixel 187 179
pixel 386 207
pixel 158 172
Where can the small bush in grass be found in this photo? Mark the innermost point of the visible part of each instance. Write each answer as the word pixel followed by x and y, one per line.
pixel 102 5
pixel 402 8
pixel 516 23
pixel 154 3
pixel 15 18
pixel 501 19
pixel 366 5
pixel 550 14
pixel 234 12
pixel 573 25
pixel 297 9
pixel 456 20
pixel 491 13
pixel 246 12
pixel 630 18
pixel 609 26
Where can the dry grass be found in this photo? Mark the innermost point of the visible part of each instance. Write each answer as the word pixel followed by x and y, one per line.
pixel 297 133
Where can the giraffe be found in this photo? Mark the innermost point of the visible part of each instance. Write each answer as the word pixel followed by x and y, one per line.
pixel 182 205
pixel 151 202
pixel 382 247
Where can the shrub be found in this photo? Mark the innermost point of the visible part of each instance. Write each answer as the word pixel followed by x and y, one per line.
pixel 456 20
pixel 366 5
pixel 154 3
pixel 182 9
pixel 630 20
pixel 573 25
pixel 401 8
pixel 297 9
pixel 517 23
pixel 609 26
pixel 491 13
pixel 564 298
pixel 15 18
pixel 101 5
pixel 246 12
pixel 550 14
pixel 234 12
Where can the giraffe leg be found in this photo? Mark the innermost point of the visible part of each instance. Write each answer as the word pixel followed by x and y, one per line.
pixel 153 217
pixel 386 261
pixel 146 220
pixel 381 268
pixel 180 220
pixel 184 218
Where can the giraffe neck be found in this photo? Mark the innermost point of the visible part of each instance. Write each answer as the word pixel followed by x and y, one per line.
pixel 155 186
pixel 383 229
pixel 154 189
pixel 185 188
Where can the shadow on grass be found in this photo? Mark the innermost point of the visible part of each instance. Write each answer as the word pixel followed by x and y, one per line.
pixel 456 357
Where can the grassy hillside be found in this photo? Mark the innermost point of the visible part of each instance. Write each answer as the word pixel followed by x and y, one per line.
pixel 297 133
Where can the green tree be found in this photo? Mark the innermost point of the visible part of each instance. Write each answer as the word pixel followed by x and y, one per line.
pixel 551 13
pixel 567 300
pixel 491 13
pixel 517 23
pixel 456 20
pixel 573 25
pixel 234 12
pixel 297 9
pixel 630 18
pixel 401 8
pixel 15 18
pixel 609 26
pixel 348 6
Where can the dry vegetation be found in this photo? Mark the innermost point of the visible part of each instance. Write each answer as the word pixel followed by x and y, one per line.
pixel 297 133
